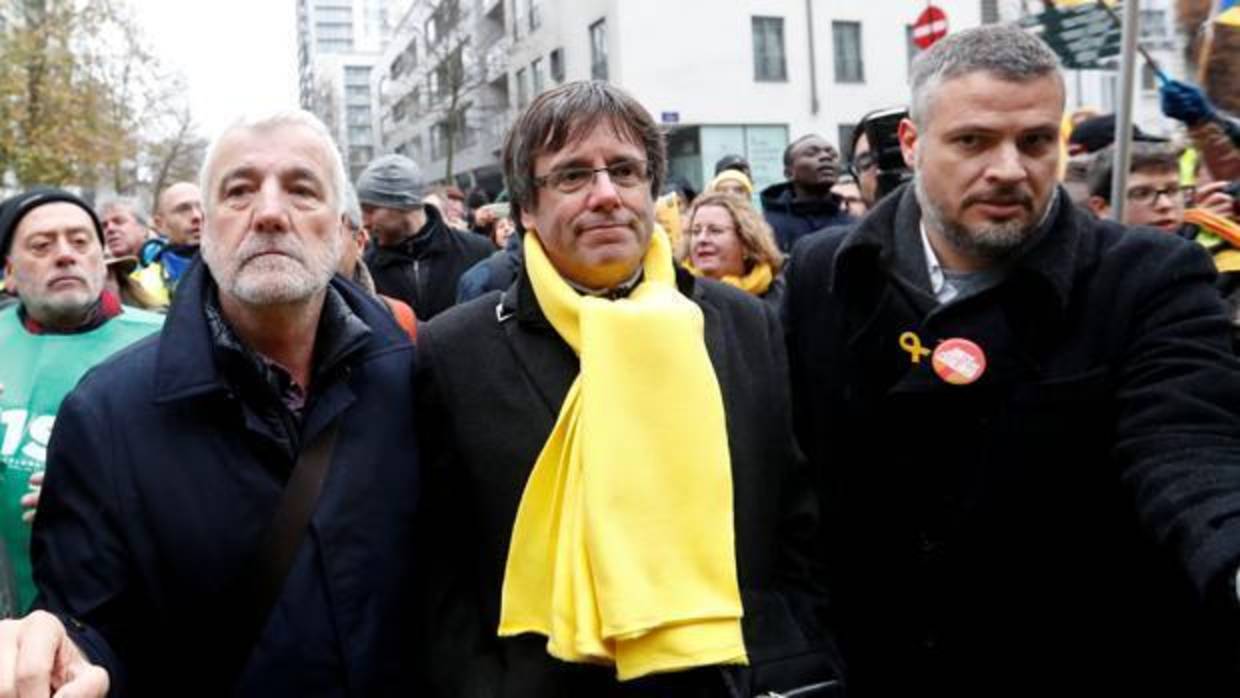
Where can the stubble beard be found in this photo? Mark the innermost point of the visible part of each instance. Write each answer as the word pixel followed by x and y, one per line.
pixel 989 241
pixel 293 277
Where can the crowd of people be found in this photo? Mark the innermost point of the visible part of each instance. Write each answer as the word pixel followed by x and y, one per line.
pixel 941 426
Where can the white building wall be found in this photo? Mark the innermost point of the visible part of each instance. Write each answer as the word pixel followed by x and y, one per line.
pixel 693 61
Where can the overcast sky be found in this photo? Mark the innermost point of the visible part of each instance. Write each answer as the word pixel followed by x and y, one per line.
pixel 236 55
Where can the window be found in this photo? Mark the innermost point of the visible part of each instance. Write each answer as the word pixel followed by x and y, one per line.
pixel 357 75
pixel 359 135
pixel 1148 80
pixel 523 89
pixel 536 70
pixel 847 39
pixel 768 50
pixel 1154 24
pixel 911 48
pixel 449 74
pixel 535 14
pixel 334 45
pixel 442 20
pixel 846 134
pixel 437 143
pixel 334 31
pixel 358 116
pixel 357 94
pixel 990 11
pixel 406 61
pixel 598 50
pixel 557 65
pixel 518 18
pixel 333 14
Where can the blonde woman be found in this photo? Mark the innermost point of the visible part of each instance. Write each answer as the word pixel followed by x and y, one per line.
pixel 728 240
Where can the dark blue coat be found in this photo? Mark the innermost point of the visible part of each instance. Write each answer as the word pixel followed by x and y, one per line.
pixel 793 219
pixel 163 471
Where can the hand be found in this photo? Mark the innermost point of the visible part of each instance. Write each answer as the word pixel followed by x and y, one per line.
pixel 1214 199
pixel 37 659
pixel 1184 102
pixel 30 500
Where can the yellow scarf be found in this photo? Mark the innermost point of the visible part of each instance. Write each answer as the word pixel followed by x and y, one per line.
pixel 622 551
pixel 757 281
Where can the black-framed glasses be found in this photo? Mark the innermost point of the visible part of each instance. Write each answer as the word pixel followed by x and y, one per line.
pixel 1148 195
pixel 626 173
pixel 862 163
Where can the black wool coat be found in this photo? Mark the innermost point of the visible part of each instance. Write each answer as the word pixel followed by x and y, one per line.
pixel 492 376
pixel 423 271
pixel 1067 524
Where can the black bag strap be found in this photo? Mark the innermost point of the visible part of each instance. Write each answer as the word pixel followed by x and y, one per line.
pixel 262 580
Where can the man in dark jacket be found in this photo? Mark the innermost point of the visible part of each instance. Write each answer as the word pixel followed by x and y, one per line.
pixel 1026 422
pixel 805 204
pixel 417 258
pixel 168 466
pixel 694 507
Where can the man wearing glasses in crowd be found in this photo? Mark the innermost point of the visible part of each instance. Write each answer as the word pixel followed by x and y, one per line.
pixel 614 481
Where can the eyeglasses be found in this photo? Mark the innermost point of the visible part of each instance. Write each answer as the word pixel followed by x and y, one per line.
pixel 1149 195
pixel 861 163
pixel 709 230
pixel 627 173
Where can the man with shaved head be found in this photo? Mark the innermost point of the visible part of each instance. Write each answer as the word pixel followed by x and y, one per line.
pixel 179 219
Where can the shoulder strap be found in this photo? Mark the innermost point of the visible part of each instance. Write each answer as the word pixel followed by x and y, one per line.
pixel 261 582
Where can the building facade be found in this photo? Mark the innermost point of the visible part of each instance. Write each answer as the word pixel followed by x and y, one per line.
pixel 723 78
pixel 442 84
pixel 338 43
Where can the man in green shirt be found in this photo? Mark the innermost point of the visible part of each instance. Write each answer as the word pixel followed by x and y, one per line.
pixel 51 247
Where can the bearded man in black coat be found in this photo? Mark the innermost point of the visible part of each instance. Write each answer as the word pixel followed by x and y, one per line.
pixel 1025 422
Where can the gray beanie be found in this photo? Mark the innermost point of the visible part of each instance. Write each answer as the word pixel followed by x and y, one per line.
pixel 392 181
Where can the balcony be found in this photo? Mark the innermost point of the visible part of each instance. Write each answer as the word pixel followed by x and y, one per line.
pixel 495 60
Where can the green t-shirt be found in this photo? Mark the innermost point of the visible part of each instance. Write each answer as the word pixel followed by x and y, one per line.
pixel 37 371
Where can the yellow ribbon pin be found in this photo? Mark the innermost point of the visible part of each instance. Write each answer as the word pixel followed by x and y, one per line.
pixel 911 343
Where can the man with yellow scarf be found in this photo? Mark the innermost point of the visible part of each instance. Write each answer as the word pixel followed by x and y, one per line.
pixel 616 506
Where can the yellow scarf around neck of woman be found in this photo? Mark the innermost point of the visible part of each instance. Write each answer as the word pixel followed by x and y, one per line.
pixel 623 552
pixel 757 281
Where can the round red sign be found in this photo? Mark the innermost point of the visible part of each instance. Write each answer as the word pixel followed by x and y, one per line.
pixel 931 25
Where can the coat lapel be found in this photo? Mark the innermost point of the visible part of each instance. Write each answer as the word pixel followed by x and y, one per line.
pixel 547 361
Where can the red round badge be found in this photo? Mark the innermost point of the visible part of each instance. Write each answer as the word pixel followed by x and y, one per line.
pixel 959 361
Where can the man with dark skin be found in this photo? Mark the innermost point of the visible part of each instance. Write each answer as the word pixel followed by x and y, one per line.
pixel 804 203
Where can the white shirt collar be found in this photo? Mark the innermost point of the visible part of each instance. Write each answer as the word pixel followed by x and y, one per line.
pixel 938 281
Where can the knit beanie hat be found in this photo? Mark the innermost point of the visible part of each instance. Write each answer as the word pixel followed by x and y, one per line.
pixel 13 209
pixel 391 181
pixel 731 175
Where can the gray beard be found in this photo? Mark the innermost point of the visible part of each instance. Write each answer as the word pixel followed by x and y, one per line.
pixel 994 241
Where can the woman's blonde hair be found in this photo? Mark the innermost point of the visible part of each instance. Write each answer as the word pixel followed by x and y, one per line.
pixel 757 238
